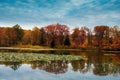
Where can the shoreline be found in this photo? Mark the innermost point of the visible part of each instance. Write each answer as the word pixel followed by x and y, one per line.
pixel 50 49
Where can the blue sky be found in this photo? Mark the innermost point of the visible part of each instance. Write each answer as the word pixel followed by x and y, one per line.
pixel 74 13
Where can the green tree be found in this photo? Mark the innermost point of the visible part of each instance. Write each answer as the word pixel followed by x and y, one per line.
pixel 19 32
pixel 42 36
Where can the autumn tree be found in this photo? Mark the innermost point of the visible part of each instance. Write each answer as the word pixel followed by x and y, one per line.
pixel 52 44
pixel 35 36
pixel 62 31
pixel 78 36
pixel 100 33
pixel 75 36
pixel 88 34
pixel 2 37
pixel 56 33
pixel 115 34
pixel 10 37
pixel 82 35
pixel 67 41
pixel 114 40
pixel 27 37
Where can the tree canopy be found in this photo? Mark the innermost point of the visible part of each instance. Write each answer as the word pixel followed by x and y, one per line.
pixel 56 35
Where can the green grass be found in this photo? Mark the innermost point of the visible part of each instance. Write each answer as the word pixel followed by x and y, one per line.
pixel 17 57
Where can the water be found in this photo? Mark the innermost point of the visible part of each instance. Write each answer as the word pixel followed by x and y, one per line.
pixel 97 66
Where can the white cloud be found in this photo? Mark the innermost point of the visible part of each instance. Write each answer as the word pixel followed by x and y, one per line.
pixel 79 2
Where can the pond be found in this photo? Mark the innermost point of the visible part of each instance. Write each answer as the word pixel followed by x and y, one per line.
pixel 96 66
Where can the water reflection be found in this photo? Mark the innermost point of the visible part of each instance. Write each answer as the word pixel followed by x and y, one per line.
pixel 101 64
pixel 13 65
pixel 55 67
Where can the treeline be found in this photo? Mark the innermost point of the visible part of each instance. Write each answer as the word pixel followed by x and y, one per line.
pixel 59 36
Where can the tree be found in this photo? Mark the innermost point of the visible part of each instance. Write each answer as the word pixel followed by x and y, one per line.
pixel 19 32
pixel 82 35
pixel 114 40
pixel 42 36
pixel 75 36
pixel 57 33
pixel 115 34
pixel 52 44
pixel 67 41
pixel 78 36
pixel 27 37
pixel 100 32
pixel 35 36
pixel 2 37
pixel 89 35
pixel 10 36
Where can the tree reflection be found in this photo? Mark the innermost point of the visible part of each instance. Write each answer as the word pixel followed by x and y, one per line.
pixel 100 68
pixel 106 65
pixel 100 63
pixel 12 65
pixel 55 67
pixel 78 65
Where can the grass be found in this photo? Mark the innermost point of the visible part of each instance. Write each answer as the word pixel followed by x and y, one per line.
pixel 31 46
pixel 17 57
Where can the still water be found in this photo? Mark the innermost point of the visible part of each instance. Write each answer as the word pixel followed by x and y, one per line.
pixel 97 66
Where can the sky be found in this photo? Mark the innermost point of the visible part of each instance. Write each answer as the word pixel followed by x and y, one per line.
pixel 73 13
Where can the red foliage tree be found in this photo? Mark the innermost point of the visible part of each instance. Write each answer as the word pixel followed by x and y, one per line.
pixel 57 33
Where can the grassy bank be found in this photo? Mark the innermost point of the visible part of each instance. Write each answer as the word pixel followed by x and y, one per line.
pixel 31 46
pixel 36 48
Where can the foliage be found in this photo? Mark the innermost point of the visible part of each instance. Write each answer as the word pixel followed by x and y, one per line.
pixel 67 41
pixel 58 36
pixel 52 44
pixel 78 36
pixel 18 31
pixel 35 36
pixel 27 37
pixel 56 33
pixel 42 36
pixel 100 33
